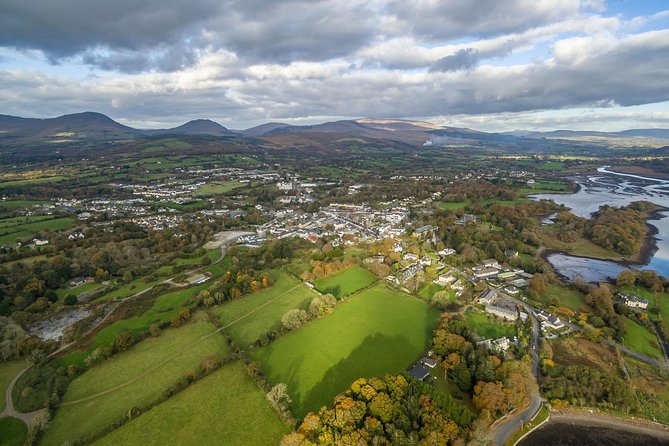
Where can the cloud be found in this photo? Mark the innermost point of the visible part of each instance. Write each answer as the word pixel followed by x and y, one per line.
pixel 462 60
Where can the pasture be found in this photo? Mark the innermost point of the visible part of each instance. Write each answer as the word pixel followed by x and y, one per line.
pixel 487 327
pixel 134 378
pixel 346 282
pixel 225 408
pixel 246 319
pixel 376 332
pixel 639 339
pixel 13 432
pixel 13 229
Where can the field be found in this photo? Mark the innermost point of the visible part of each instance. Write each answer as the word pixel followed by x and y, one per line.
pixel 581 247
pixel 346 282
pixel 12 204
pixel 261 311
pixel 11 230
pixel 8 371
pixel 13 432
pixel 658 304
pixel 572 299
pixel 31 181
pixel 225 408
pixel 639 339
pixel 378 331
pixel 428 290
pixel 132 379
pixel 214 188
pixel 488 328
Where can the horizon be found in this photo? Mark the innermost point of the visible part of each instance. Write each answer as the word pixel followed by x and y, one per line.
pixel 519 130
pixel 549 65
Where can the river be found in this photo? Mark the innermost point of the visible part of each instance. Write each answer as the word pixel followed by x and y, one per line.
pixel 614 189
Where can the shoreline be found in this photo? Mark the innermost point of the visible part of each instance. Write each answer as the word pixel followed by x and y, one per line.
pixel 593 418
pixel 642 258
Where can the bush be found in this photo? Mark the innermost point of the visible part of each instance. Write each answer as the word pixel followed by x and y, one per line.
pixel 70 299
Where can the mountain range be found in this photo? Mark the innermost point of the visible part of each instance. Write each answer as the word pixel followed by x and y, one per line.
pixel 90 126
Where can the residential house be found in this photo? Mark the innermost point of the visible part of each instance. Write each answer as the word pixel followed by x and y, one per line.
pixel 502 312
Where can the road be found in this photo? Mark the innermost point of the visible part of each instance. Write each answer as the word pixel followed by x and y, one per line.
pixel 503 430
pixel 10 411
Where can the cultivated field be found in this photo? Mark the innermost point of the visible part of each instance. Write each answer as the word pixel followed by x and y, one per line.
pixel 135 378
pixel 346 282
pixel 248 318
pixel 225 408
pixel 378 331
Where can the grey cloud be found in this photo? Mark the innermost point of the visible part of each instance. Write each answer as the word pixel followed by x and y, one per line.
pixel 456 18
pixel 464 59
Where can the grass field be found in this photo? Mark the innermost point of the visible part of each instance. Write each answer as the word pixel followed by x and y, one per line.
pixel 24 231
pixel 225 408
pixel 639 339
pixel 219 187
pixel 31 181
pixel 580 247
pixel 487 327
pixel 13 204
pixel 572 299
pixel 346 282
pixel 428 290
pixel 154 364
pixel 378 331
pixel 264 313
pixel 13 432
pixel 8 371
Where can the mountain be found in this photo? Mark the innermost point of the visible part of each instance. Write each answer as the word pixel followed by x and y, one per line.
pixel 632 133
pixel 87 125
pixel 90 126
pixel 195 127
pixel 263 129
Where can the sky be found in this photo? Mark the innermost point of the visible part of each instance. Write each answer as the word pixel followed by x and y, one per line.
pixel 490 65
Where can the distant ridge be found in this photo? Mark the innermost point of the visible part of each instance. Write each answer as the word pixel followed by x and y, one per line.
pixel 196 127
pixel 96 126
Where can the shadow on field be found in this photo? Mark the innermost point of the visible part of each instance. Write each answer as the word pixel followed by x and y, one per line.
pixel 358 364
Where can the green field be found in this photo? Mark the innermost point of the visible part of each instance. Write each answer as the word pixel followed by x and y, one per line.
pixel 572 299
pixel 428 290
pixel 639 339
pixel 261 311
pixel 132 379
pixel 378 331
pixel 12 232
pixel 13 432
pixel 8 371
pixel 219 187
pixel 485 326
pixel 13 204
pixel 225 408
pixel 31 181
pixel 346 282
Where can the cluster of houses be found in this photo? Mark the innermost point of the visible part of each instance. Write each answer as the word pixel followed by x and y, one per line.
pixel 633 302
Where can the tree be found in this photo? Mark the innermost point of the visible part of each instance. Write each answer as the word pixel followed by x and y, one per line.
pixel 490 396
pixel 538 285
pixel 70 299
pixel 278 396
pixel 626 278
pixel 123 341
pixel 294 319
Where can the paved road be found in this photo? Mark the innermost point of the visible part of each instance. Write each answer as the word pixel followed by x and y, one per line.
pixel 501 432
pixel 10 411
